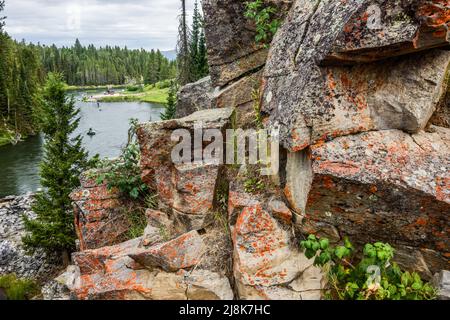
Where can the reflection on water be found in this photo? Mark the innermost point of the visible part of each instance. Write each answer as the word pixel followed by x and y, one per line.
pixel 20 165
pixel 110 121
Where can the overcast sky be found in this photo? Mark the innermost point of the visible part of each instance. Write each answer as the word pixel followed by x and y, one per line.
pixel 134 23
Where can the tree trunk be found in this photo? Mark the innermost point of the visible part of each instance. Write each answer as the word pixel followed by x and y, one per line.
pixel 185 36
pixel 183 46
pixel 8 103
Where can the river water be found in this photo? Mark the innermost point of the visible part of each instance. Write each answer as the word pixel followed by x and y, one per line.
pixel 20 163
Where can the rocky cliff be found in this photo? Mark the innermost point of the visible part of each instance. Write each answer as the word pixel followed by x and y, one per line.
pixel 363 116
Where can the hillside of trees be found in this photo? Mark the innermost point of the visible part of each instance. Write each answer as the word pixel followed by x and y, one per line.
pixel 21 76
pixel 110 65
pixel 23 69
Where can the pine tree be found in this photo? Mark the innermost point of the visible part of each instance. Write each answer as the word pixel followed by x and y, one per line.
pixel 101 66
pixel 171 107
pixel 2 7
pixel 203 68
pixel 63 162
pixel 194 42
pixel 197 63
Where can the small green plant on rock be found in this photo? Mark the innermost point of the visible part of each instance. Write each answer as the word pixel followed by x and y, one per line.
pixel 265 21
pixel 151 201
pixel 257 108
pixel 18 289
pixel 254 185
pixel 125 173
pixel 164 233
pixel 253 181
pixel 372 277
pixel 138 223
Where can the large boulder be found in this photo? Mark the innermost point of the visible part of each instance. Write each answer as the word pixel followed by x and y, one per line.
pixel 380 186
pixel 384 28
pixel 263 253
pixel 110 274
pixel 442 283
pixel 194 97
pixel 187 190
pixel 238 93
pixel 183 252
pixel 267 261
pixel 312 102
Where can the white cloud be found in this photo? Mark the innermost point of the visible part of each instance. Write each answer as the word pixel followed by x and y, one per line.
pixel 134 23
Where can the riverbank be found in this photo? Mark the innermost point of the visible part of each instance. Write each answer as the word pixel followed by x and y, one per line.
pixel 151 94
pixel 8 136
pixel 5 138
pixel 95 87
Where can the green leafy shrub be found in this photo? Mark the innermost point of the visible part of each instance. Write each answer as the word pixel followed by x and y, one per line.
pixel 372 277
pixel 164 84
pixel 134 88
pixel 265 21
pixel 18 289
pixel 125 173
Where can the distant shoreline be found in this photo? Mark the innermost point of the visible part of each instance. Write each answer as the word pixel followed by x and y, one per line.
pixel 95 87
pixel 149 93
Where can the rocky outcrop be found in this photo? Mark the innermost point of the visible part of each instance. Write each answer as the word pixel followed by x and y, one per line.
pixel 194 97
pixel 365 142
pixel 348 171
pixel 181 253
pixel 40 265
pixel 324 102
pixel 267 261
pixel 100 218
pixel 185 189
pixel 375 185
pixel 110 273
pixel 380 29
pixel 232 51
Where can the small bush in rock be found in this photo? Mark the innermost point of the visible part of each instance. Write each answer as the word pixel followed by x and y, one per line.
pixel 18 289
pixel 372 277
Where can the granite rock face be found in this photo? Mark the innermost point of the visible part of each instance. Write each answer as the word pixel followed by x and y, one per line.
pixel 194 97
pixel 110 274
pixel 185 189
pixel 230 37
pixel 442 282
pixel 324 102
pixel 100 218
pixel 180 253
pixel 382 185
pixel 267 262
pixel 380 29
